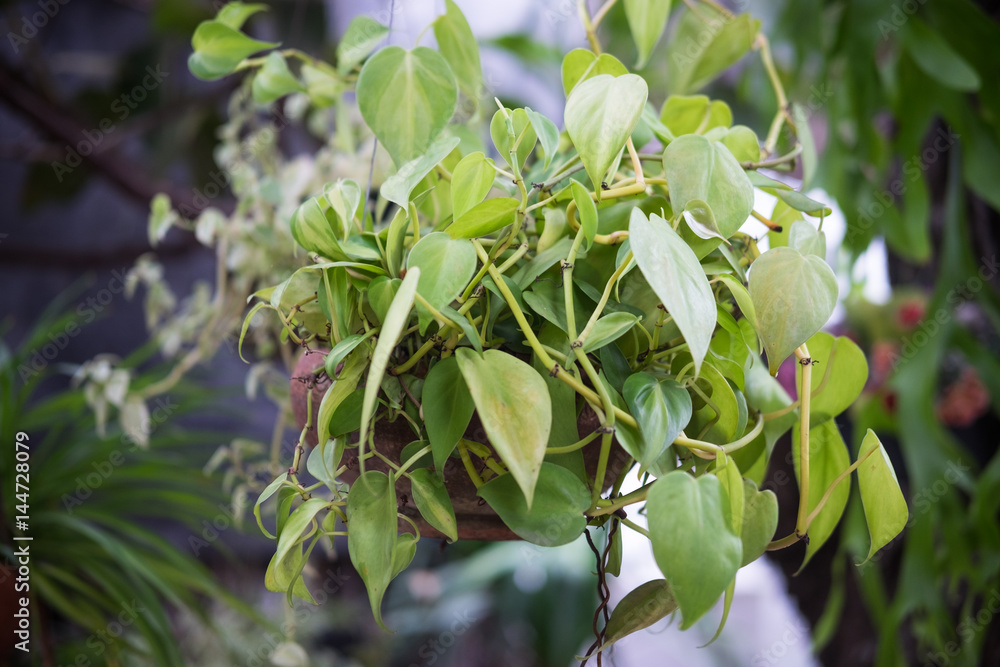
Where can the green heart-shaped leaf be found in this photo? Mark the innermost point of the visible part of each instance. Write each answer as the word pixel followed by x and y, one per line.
pixel 447 415
pixel 840 371
pixel 760 520
pixel 219 48
pixel 699 169
pixel 274 80
pixel 581 64
pixel 693 540
pixel 363 34
pixel 446 267
pixel 694 114
pixel 600 115
pixel 458 46
pixel 397 188
pixel 432 501
pixel 371 522
pixel 406 98
pixel 524 135
pixel 471 182
pixel 828 458
pixel 641 608
pixel 555 516
pixel 485 218
pixel 705 43
pixel 793 295
pixel 661 407
pixel 807 239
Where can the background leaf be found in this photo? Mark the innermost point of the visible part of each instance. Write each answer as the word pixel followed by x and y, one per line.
pixel 458 46
pixel 647 20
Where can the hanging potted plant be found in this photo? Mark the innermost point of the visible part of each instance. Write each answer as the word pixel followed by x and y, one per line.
pixel 497 344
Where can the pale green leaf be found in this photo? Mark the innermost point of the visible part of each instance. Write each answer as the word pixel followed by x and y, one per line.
pixel 397 188
pixel 363 34
pixel 219 48
pixel 828 457
pixel 839 373
pixel 600 115
pixel 885 507
pixel 703 170
pixel 471 182
pixel 371 524
pixel 392 328
pixel 406 98
pixel 793 295
pixel 705 44
pixel 485 218
pixel 514 406
pixel 674 274
pixel 581 64
pixel 446 267
pixel 458 46
pixel 274 80
pixel 647 20
pixel 587 211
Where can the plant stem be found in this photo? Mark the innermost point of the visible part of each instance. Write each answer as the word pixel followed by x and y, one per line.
pixel 834 484
pixel 602 12
pixel 535 344
pixel 805 390
pixel 463 451
pixel 575 446
pixel 779 91
pixel 589 26
pixel 634 526
pixel 604 298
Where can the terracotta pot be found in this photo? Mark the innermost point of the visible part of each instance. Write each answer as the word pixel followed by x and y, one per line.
pixel 476 519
